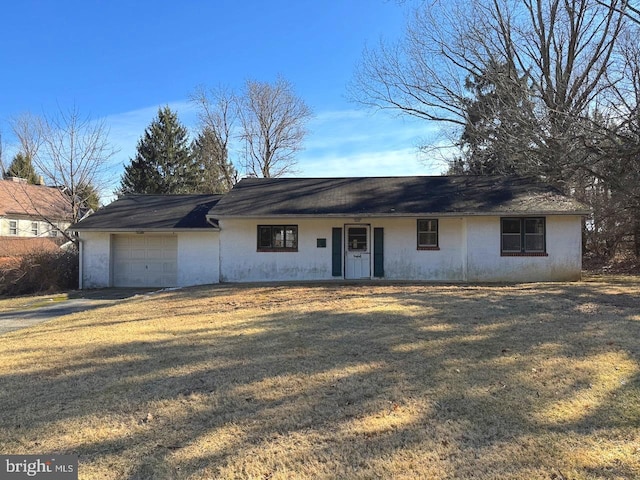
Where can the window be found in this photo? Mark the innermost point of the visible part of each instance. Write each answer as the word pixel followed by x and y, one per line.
pixel 13 227
pixel 523 236
pixel 34 228
pixel 277 238
pixel 357 239
pixel 53 232
pixel 428 234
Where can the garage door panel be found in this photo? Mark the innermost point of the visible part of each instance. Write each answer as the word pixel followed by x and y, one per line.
pixel 145 261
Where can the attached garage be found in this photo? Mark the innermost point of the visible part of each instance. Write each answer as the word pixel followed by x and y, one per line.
pixel 145 260
pixel 153 241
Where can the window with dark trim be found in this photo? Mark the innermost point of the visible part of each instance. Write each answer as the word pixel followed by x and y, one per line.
pixel 427 234
pixel 277 238
pixel 34 228
pixel 523 236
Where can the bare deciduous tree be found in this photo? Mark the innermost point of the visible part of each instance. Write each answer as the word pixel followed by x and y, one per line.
pixel 71 152
pixel 217 114
pixel 567 51
pixel 272 122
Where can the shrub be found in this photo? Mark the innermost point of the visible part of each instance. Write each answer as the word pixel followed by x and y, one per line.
pixel 40 272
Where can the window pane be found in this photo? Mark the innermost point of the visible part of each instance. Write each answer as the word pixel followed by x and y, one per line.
pixel 534 243
pixel 264 237
pixel 510 225
pixel 428 239
pixel 427 225
pixel 278 236
pixel 292 237
pixel 511 242
pixel 357 238
pixel 534 225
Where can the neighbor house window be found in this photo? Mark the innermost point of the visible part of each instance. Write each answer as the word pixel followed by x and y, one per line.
pixel 427 234
pixel 53 232
pixel 13 227
pixel 34 228
pixel 277 238
pixel 523 236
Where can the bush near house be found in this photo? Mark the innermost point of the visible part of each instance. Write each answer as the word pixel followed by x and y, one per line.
pixel 35 266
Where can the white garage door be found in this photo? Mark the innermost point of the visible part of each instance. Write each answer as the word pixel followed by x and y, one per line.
pixel 145 260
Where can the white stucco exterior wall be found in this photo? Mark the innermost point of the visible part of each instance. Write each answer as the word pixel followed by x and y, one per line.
pixel 198 258
pixel 241 262
pixel 403 260
pixel 96 259
pixel 469 250
pixel 562 263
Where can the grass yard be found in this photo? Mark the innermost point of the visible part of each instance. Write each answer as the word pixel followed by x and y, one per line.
pixel 535 381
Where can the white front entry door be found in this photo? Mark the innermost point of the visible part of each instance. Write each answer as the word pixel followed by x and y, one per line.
pixel 357 262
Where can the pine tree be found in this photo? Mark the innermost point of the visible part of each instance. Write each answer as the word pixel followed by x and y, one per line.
pixel 497 138
pixel 217 173
pixel 163 162
pixel 22 167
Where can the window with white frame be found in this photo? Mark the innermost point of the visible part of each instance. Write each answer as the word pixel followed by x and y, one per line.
pixel 35 228
pixel 13 227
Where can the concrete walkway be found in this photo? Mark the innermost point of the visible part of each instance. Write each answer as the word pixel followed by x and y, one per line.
pixel 77 302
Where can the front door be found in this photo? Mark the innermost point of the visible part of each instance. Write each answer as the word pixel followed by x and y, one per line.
pixel 357 262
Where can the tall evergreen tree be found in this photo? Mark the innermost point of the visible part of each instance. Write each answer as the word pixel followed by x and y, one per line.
pixel 217 173
pixel 499 132
pixel 21 166
pixel 163 162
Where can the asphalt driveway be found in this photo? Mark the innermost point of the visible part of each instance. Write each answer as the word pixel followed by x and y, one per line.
pixel 79 301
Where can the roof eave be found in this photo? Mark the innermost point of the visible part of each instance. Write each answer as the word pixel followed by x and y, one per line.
pixel 144 229
pixel 416 214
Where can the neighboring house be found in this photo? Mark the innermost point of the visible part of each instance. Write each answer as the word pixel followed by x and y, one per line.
pixel 451 229
pixel 32 210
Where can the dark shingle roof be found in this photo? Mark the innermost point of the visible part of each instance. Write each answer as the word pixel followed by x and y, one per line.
pixel 389 196
pixel 151 212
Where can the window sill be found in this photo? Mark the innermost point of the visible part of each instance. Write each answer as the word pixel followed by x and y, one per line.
pixel 428 248
pixel 277 250
pixel 524 254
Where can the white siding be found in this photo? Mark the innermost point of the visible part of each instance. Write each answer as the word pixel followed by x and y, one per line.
pixel 25 227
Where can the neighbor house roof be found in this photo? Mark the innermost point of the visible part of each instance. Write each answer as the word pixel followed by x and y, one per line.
pixel 151 212
pixel 393 196
pixel 20 198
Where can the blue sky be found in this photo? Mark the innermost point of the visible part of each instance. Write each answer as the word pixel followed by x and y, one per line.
pixel 120 61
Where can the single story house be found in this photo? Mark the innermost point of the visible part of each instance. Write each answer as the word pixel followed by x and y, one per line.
pixel 445 228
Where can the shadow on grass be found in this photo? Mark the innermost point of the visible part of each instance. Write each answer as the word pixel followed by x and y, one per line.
pixel 469 381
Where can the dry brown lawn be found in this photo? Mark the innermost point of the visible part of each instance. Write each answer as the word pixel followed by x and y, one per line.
pixel 536 381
